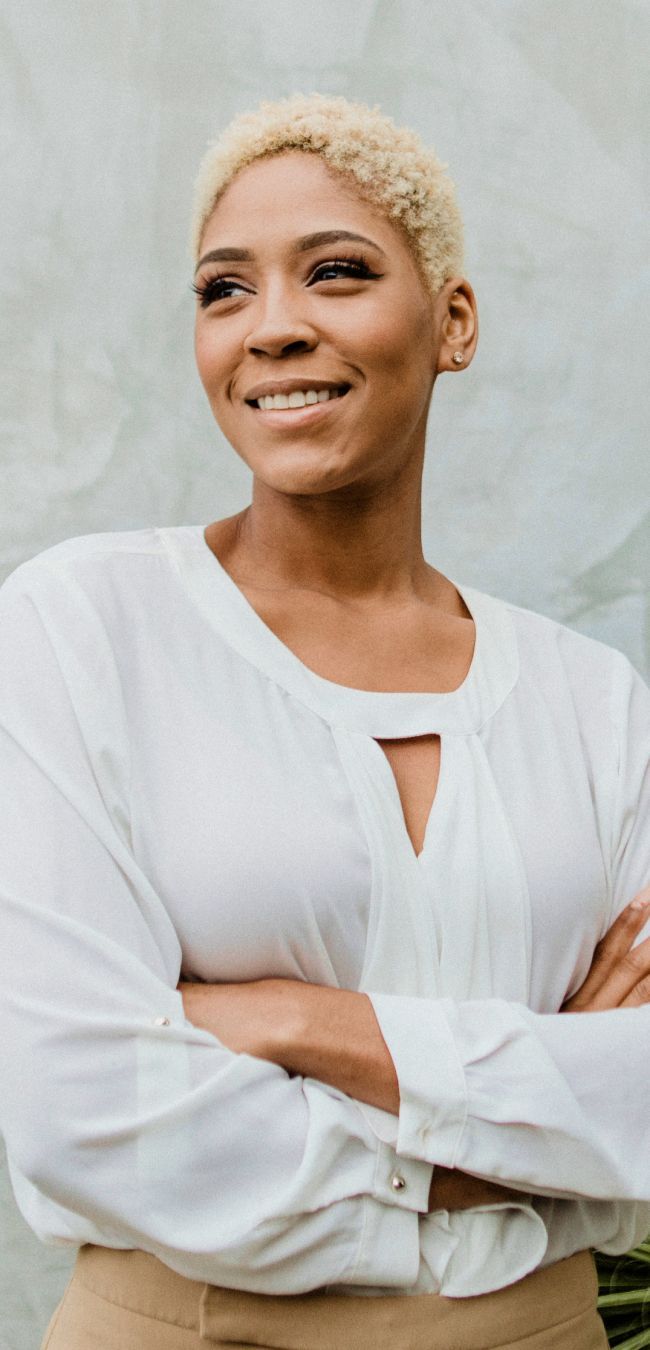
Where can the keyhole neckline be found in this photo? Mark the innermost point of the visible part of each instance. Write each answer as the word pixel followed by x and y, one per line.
pixel 393 788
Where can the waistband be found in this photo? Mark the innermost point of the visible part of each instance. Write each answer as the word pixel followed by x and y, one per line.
pixel 555 1296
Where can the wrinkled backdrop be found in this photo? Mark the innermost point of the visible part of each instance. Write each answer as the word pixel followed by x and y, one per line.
pixel 537 481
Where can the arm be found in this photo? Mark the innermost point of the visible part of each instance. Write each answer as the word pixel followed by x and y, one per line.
pixel 329 1034
pixel 456 1094
pixel 333 1034
pixel 557 1105
pixel 125 1125
pixel 546 1104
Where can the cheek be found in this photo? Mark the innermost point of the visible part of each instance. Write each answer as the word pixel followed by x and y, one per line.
pixel 202 354
pixel 398 345
pixel 211 357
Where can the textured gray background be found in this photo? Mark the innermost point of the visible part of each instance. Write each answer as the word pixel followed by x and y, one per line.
pixel 536 482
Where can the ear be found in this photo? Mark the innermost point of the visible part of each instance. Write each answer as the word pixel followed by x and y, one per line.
pixel 457 317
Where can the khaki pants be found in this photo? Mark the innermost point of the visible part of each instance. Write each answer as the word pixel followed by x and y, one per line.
pixel 131 1301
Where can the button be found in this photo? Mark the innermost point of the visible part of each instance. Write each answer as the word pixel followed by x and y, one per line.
pixel 397 1182
pixel 161 1022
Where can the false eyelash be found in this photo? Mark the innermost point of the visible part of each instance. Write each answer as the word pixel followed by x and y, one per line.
pixel 353 261
pixel 207 290
pixel 355 265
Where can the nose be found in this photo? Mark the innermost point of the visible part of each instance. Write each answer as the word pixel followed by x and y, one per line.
pixel 280 326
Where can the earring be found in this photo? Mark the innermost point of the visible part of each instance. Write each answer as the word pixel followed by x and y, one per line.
pixel 458 358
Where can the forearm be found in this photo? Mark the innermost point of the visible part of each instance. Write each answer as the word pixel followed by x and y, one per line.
pixel 317 1032
pixel 331 1035
pixel 338 1041
pixel 334 1036
pixel 548 1103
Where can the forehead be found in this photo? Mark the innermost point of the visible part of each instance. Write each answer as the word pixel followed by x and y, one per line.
pixel 289 195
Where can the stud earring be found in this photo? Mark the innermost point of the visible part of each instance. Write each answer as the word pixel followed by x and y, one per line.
pixel 458 358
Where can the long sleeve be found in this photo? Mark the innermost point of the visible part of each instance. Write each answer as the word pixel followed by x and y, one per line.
pixel 125 1125
pixel 555 1104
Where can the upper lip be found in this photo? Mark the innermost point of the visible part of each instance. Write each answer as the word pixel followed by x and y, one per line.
pixel 291 386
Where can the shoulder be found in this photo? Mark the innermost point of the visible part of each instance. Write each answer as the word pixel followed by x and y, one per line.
pixel 86 593
pixel 562 666
pixel 541 632
pixel 589 665
pixel 112 573
pixel 80 556
pixel 541 638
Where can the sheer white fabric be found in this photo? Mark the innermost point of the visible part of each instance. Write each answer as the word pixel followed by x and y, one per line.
pixel 181 793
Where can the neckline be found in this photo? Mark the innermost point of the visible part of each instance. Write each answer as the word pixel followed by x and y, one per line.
pixel 380 714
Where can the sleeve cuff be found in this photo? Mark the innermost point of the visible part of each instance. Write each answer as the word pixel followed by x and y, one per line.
pixel 402 1183
pixel 389 1250
pixel 432 1086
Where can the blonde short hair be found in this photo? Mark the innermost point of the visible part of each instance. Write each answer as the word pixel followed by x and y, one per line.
pixel 390 165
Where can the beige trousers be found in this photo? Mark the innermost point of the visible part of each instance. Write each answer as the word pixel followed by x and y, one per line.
pixel 131 1301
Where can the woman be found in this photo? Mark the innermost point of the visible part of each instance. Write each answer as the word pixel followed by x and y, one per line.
pixel 308 848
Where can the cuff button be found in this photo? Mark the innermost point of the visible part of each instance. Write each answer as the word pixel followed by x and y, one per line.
pixel 397 1182
pixel 161 1022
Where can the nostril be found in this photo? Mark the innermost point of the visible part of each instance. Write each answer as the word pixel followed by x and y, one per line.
pixel 300 345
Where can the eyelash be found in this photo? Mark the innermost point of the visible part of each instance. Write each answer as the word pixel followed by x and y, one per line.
pixel 356 267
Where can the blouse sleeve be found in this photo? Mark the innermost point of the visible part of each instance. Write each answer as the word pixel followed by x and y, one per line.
pixel 125 1125
pixel 556 1104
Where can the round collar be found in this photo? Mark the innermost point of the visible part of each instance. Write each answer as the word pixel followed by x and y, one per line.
pixel 492 674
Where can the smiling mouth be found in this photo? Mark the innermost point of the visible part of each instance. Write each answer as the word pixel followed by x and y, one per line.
pixel 298 398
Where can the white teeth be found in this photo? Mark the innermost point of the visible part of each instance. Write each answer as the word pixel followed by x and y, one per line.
pixel 298 399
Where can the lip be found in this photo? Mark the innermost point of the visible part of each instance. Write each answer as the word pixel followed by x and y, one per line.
pixel 291 386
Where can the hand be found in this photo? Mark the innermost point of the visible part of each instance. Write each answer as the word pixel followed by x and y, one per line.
pixel 619 976
pixel 452 1189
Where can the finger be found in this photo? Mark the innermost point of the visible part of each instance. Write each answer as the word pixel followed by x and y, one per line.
pixel 614 947
pixel 639 995
pixel 632 969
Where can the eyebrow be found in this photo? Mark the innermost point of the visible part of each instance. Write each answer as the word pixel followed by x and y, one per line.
pixel 303 245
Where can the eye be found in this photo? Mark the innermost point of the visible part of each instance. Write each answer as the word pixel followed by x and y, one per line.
pixel 217 288
pixel 352 268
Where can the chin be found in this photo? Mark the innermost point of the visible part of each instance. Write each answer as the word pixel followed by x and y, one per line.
pixel 301 471
pixel 302 485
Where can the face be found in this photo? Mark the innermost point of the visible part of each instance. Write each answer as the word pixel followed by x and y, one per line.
pixel 316 340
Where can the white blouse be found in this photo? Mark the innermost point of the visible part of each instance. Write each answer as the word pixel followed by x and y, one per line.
pixel 180 793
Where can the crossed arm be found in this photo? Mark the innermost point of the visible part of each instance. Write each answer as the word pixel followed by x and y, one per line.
pixel 333 1034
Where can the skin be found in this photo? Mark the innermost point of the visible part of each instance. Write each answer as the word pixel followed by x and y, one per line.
pixel 336 506
pixel 329 552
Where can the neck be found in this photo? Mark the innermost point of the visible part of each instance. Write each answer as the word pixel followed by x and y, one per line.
pixel 357 546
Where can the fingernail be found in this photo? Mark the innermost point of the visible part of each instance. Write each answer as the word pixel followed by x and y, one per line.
pixel 641 902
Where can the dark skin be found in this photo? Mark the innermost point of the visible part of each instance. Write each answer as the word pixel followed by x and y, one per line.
pixel 333 1034
pixel 329 553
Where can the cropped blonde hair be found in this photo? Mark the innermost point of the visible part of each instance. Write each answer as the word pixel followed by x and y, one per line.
pixel 392 169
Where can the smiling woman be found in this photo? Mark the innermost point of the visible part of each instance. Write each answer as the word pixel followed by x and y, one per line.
pixel 286 311
pixel 314 1065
